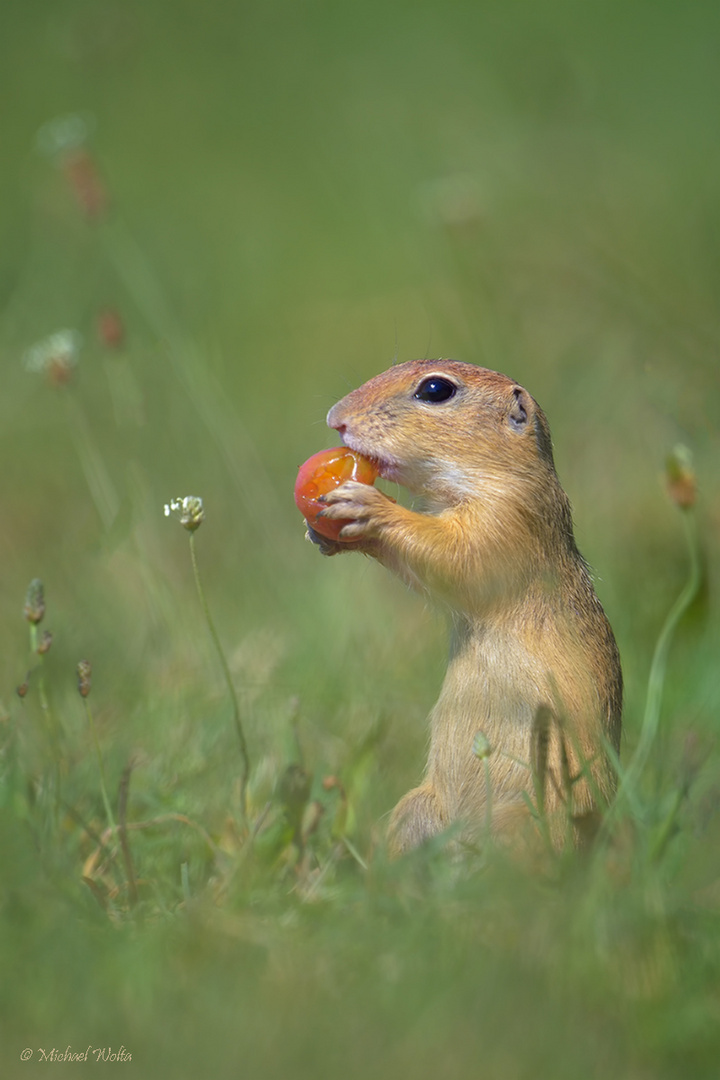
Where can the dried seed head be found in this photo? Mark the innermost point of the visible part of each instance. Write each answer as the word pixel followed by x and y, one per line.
pixel 680 477
pixel 84 674
pixel 35 601
pixel 189 511
pixel 481 746
pixel 46 640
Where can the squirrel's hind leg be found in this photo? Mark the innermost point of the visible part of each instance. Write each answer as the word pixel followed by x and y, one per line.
pixel 417 817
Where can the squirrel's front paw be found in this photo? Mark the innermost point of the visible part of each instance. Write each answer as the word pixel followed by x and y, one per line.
pixel 325 545
pixel 363 506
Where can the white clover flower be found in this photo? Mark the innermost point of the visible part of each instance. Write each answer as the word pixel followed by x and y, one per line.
pixel 56 355
pixel 188 509
pixel 64 133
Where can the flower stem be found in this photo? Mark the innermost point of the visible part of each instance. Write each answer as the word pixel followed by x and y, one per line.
pixel 228 679
pixel 656 679
pixel 101 767
pixel 50 721
pixel 627 792
pixel 102 490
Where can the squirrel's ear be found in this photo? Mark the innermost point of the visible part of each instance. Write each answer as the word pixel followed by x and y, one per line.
pixel 518 412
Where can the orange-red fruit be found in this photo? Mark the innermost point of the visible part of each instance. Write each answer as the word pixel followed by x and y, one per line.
pixel 320 474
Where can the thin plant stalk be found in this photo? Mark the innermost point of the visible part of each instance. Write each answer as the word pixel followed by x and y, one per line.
pixel 51 723
pixel 228 679
pixel 122 833
pixel 101 487
pixel 482 751
pixel 224 425
pixel 45 704
pixel 658 667
pixel 627 792
pixel 101 767
pixel 488 800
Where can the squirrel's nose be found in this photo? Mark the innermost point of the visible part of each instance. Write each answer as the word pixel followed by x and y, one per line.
pixel 333 420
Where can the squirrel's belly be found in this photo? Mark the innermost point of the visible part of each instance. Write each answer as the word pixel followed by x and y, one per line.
pixel 493 687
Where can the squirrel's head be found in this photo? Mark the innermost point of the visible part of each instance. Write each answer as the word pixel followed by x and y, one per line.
pixel 446 429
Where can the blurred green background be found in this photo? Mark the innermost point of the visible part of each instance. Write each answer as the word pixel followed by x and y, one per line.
pixel 297 194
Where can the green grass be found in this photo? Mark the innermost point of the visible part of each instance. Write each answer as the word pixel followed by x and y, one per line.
pixel 297 194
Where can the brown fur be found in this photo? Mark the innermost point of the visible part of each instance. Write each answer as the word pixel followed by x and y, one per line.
pixel 496 548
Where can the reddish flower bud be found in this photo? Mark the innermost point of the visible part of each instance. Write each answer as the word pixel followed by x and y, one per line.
pixel 85 182
pixel 110 328
pixel 680 477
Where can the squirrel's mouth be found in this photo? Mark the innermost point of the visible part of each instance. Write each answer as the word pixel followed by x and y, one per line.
pixel 387 468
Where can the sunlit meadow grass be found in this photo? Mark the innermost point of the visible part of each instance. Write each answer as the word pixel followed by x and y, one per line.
pixel 239 216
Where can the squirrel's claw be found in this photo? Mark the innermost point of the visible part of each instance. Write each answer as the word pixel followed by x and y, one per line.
pixel 325 545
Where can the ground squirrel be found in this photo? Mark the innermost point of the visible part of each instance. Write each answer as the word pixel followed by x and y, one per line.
pixel 533 663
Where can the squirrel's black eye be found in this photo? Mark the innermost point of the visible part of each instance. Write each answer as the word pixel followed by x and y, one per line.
pixel 435 390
